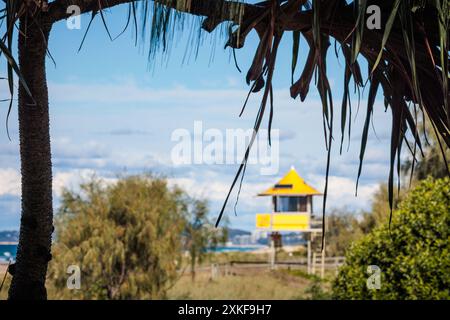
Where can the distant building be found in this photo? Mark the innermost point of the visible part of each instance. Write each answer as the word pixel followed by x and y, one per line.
pixel 258 235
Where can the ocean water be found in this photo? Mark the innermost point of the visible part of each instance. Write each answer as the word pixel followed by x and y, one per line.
pixel 236 248
pixel 7 251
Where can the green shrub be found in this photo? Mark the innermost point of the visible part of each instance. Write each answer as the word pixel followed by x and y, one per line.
pixel 413 255
pixel 125 238
pixel 316 291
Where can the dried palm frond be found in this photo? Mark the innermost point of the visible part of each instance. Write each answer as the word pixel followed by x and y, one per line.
pixel 408 59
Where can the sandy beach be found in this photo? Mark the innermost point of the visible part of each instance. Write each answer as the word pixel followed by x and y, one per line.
pixel 2 269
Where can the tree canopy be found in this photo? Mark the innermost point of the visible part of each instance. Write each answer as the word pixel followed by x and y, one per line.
pixel 433 163
pixel 413 255
pixel 126 239
pixel 199 234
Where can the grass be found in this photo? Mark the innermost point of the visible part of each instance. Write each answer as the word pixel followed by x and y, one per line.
pixel 249 283
pixel 243 282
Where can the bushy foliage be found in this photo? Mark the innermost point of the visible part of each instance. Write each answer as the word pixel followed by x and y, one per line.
pixel 316 291
pixel 413 255
pixel 126 238
pixel 433 162
pixel 342 229
pixel 200 234
pixel 345 227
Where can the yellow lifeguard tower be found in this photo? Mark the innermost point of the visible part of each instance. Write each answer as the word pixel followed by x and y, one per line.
pixel 292 210
pixel 292 205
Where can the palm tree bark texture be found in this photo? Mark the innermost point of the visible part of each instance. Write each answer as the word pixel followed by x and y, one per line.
pixel 36 227
pixel 332 18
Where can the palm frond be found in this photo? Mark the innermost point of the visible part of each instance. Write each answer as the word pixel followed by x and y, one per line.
pixel 408 59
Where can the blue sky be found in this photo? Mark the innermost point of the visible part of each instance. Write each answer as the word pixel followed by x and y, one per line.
pixel 112 113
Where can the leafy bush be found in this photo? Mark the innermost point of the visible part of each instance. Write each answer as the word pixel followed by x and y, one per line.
pixel 413 255
pixel 342 229
pixel 316 291
pixel 125 237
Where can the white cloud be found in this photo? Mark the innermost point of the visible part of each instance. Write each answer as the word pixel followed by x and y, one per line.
pixel 9 182
pixel 69 179
pixel 216 191
pixel 341 192
pixel 73 178
pixel 65 148
pixel 127 92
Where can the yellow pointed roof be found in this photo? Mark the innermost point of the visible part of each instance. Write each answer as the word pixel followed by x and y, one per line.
pixel 290 185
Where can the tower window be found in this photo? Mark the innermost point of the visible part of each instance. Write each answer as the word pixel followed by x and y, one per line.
pixel 283 186
pixel 291 204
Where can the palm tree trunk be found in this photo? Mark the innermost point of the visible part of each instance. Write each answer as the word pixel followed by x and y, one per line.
pixel 36 226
